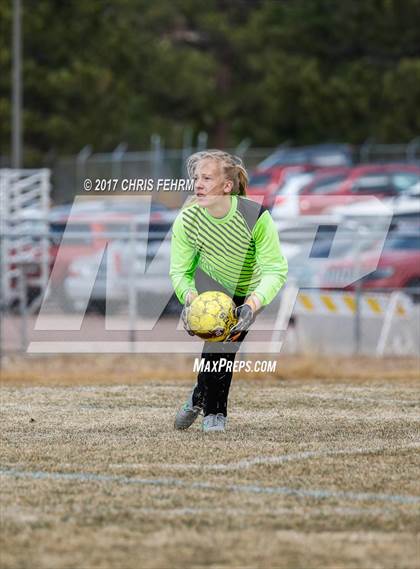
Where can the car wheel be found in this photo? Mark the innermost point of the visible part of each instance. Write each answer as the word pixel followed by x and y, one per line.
pixel 65 302
pixel 101 307
pixel 412 288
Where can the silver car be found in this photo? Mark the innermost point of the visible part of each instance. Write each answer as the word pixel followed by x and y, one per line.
pixel 105 280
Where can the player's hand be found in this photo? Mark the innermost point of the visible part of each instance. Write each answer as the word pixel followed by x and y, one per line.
pixel 246 316
pixel 184 314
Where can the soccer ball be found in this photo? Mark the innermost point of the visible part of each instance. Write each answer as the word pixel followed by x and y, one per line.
pixel 211 316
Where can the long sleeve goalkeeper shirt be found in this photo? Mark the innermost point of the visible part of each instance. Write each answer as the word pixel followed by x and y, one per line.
pixel 241 250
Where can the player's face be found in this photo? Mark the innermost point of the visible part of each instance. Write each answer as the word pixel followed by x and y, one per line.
pixel 210 183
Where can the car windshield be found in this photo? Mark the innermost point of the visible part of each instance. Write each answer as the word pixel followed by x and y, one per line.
pixel 374 184
pixel 403 242
pixel 294 184
pixel 319 156
pixel 404 180
pixel 76 233
pixel 326 184
pixel 259 180
pixel 329 159
pixel 282 158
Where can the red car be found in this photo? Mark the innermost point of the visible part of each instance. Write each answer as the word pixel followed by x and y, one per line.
pixel 86 232
pixel 266 182
pixel 328 190
pixel 398 267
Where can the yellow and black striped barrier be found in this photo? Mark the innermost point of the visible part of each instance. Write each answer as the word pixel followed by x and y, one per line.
pixel 345 304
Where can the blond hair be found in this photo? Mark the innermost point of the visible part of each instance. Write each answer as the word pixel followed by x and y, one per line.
pixel 233 168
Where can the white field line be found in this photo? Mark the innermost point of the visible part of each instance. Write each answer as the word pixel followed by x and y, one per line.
pixel 315 510
pixel 336 390
pixel 344 398
pixel 302 395
pixel 342 511
pixel 317 494
pixel 149 384
pixel 267 460
pixel 101 405
pixel 251 462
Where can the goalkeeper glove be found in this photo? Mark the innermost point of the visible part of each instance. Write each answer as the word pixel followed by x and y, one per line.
pixel 185 311
pixel 246 316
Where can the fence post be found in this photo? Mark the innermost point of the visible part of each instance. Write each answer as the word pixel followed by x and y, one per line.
pixel 386 326
pixel 357 332
pixel 156 145
pixel 365 150
pixel 186 149
pixel 81 160
pixel 2 300
pixel 116 158
pixel 243 147
pixel 412 148
pixel 23 301
pixel 357 318
pixel 132 289
pixel 45 240
pixel 202 141
pixel 358 295
pixel 287 303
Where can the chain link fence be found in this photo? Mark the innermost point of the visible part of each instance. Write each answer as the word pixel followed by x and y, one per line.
pixel 113 291
pixel 80 276
pixel 69 173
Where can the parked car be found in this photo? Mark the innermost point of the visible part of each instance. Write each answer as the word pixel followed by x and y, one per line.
pixel 319 156
pixel 405 208
pixel 325 189
pixel 88 232
pixel 273 172
pixel 398 266
pixel 264 185
pixel 287 201
pixel 118 274
pixel 310 242
pixel 361 182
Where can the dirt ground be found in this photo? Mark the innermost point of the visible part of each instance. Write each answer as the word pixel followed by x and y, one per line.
pixel 318 468
pixel 114 369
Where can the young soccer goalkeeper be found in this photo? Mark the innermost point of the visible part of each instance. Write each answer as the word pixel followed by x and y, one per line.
pixel 223 241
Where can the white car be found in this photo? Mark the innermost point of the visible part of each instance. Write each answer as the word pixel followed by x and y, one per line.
pixel 403 208
pixel 286 203
pixel 121 269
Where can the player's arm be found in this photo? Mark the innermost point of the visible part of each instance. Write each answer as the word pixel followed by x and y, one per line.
pixel 272 262
pixel 274 268
pixel 184 259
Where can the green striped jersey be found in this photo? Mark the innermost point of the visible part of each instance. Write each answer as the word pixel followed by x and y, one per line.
pixel 241 250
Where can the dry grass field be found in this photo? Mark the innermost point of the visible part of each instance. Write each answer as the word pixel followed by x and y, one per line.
pixel 319 467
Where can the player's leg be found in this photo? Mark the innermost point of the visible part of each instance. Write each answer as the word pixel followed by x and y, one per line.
pixel 213 385
pixel 195 403
pixel 217 382
pixel 187 414
pixel 210 394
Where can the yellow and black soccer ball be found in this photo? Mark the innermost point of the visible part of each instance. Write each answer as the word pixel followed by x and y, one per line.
pixel 211 316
